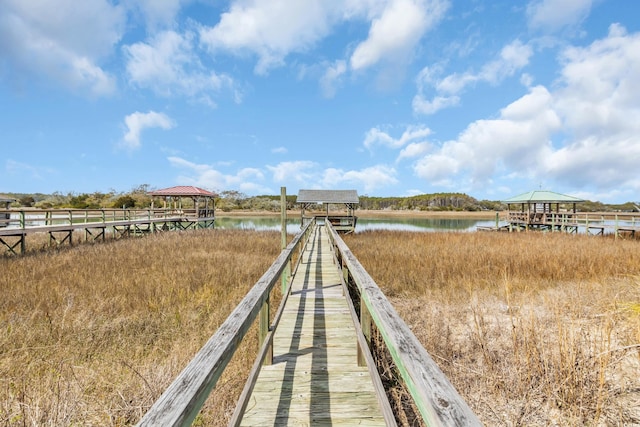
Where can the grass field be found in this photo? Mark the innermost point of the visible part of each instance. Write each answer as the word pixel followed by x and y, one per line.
pixel 91 335
pixel 531 329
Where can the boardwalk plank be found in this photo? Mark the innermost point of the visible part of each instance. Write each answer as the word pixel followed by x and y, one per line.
pixel 314 378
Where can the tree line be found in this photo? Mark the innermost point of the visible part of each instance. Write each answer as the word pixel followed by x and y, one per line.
pixel 233 200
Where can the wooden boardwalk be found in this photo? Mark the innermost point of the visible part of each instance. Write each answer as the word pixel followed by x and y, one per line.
pixel 314 366
pixel 315 378
pixel 60 224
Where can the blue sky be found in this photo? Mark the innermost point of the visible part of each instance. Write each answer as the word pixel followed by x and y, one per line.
pixel 389 97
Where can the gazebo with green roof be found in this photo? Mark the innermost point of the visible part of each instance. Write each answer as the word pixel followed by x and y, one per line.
pixel 542 209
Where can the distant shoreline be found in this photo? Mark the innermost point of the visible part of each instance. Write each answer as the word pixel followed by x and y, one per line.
pixel 370 214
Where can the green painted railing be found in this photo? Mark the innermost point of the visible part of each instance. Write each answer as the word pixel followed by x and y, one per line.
pixel 435 397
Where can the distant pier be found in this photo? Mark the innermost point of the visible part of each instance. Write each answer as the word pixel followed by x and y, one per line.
pixel 61 224
pixel 619 224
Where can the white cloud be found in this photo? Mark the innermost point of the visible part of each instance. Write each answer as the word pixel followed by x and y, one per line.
pixel 279 150
pixel 158 13
pixel 519 140
pixel 415 149
pixel 599 99
pixel 62 41
pixel 375 136
pixel 301 172
pixel 600 92
pixel 512 58
pixel 275 29
pixel 332 77
pixel 137 122
pixel 371 178
pixel 271 29
pixel 604 162
pixel 169 66
pixel 394 34
pixel 421 105
pixel 553 15
pixel 583 133
pixel 246 180
pixel 307 174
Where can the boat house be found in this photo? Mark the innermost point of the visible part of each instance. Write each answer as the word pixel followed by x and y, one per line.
pixel 542 210
pixel 317 204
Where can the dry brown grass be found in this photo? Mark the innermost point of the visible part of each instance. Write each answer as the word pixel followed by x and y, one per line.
pixel 531 328
pixel 92 335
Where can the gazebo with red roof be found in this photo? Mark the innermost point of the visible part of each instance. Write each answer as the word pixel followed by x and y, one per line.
pixel 174 195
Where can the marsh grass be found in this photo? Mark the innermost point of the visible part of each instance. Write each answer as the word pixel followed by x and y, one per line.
pixel 92 334
pixel 531 328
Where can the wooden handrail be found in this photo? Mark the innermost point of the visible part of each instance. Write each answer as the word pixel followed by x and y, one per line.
pixel 183 399
pixel 21 222
pixel 22 218
pixel 435 397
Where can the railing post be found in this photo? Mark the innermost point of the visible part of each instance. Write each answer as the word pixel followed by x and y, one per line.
pixel 345 271
pixel 365 324
pixel 263 329
pixel 587 224
pixel 71 228
pixel 152 223
pixel 283 236
pixel 23 237
pixel 86 229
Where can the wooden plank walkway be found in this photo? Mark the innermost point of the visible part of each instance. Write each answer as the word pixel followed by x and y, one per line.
pixel 61 224
pixel 315 378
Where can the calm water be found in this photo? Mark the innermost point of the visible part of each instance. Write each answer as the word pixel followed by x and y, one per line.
pixel 401 224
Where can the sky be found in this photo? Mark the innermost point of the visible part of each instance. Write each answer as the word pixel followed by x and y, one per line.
pixel 387 97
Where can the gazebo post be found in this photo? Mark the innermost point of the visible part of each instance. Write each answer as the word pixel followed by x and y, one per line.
pixel 324 198
pixel 173 196
pixel 550 204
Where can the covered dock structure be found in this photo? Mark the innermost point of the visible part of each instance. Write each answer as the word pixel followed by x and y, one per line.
pixel 344 221
pixel 5 202
pixel 543 210
pixel 203 202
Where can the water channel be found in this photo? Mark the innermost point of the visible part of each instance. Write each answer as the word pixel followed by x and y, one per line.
pixel 364 224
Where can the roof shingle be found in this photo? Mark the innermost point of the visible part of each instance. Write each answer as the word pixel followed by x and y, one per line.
pixel 540 196
pixel 327 196
pixel 183 190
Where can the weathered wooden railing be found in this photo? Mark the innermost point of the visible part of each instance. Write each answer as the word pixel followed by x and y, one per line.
pixel 342 223
pixel 434 396
pixel 17 223
pixel 23 218
pixel 616 222
pixel 183 399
